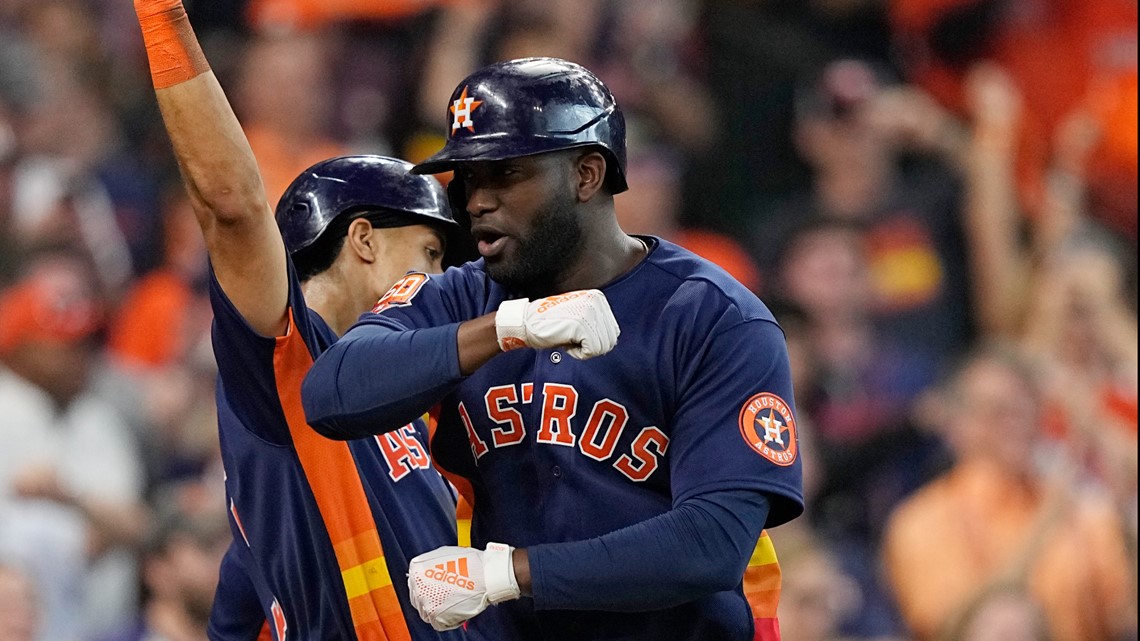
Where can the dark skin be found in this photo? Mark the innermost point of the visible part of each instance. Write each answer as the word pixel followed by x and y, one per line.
pixel 506 200
pixel 505 197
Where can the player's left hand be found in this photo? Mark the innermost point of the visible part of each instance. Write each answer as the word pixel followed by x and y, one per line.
pixel 449 585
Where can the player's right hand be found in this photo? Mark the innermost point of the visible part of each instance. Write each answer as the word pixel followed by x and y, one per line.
pixel 580 321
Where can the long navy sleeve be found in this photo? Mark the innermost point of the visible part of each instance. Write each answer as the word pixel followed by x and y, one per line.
pixel 699 547
pixel 378 378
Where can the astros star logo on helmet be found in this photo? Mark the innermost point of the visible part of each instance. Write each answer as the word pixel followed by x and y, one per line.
pixel 462 108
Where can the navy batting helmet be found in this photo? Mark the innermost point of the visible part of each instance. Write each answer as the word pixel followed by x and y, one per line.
pixel 352 184
pixel 532 106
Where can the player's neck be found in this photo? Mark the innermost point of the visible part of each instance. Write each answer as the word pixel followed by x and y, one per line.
pixel 333 302
pixel 606 255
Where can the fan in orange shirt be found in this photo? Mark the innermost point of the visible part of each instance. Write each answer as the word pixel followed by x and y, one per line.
pixel 1000 515
pixel 284 99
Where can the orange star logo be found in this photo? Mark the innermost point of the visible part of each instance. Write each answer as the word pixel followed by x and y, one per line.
pixel 462 109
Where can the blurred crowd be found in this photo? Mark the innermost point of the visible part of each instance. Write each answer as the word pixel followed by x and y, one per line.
pixel 936 198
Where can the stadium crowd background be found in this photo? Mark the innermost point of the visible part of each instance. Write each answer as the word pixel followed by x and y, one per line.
pixel 905 182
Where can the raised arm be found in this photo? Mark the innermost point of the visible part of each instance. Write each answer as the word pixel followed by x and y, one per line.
pixel 998 263
pixel 218 168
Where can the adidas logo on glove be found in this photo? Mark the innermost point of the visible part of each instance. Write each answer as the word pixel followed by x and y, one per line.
pixel 452 573
pixel 449 585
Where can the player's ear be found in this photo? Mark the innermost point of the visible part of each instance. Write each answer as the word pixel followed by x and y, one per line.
pixel 362 240
pixel 591 175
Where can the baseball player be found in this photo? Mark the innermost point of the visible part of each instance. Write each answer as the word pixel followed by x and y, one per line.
pixel 321 527
pixel 619 486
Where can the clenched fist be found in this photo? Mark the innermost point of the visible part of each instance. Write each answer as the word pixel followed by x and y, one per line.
pixel 449 585
pixel 580 321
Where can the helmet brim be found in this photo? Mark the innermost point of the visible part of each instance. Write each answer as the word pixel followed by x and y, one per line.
pixel 491 150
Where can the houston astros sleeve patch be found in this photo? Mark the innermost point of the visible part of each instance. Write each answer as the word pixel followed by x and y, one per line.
pixel 767 424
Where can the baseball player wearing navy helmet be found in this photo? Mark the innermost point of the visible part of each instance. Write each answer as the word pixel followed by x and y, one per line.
pixel 324 531
pixel 619 484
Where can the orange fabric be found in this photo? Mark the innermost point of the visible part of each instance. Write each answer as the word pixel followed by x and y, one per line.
pixel 280 160
pixel 339 493
pixel 762 584
pixel 953 536
pixel 148 329
pixel 311 14
pixel 762 579
pixel 171 47
pixel 723 251
pixel 266 634
pixel 463 509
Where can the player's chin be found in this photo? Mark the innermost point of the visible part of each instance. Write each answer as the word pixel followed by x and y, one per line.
pixel 506 271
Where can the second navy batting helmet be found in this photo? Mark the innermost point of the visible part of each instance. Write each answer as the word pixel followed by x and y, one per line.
pixel 353 184
pixel 532 106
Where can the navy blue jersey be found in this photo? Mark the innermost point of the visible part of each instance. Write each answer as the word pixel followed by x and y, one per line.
pixel 323 529
pixel 695 399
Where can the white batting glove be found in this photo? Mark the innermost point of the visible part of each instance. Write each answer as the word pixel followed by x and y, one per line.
pixel 581 321
pixel 449 585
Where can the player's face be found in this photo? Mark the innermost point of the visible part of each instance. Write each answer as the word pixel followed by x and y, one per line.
pixel 411 248
pixel 523 217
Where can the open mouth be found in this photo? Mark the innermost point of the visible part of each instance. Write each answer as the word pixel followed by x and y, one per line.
pixel 489 243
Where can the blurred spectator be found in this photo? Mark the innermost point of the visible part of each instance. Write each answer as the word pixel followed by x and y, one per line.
pixel 649 58
pixel 1063 294
pixel 753 53
pixel 908 212
pixel 161 374
pixel 653 206
pixel 1003 612
pixel 1084 335
pixel 69 473
pixel 163 312
pixel 866 379
pixel 68 138
pixel 642 49
pixel 816 596
pixel 1007 511
pixel 179 575
pixel 19 608
pixel 284 98
pixel 469 35
pixel 1062 55
pixel 858 400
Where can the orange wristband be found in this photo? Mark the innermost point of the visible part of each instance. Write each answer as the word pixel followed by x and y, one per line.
pixel 174 53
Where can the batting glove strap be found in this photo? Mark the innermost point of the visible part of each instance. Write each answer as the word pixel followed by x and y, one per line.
pixel 510 324
pixel 499 573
